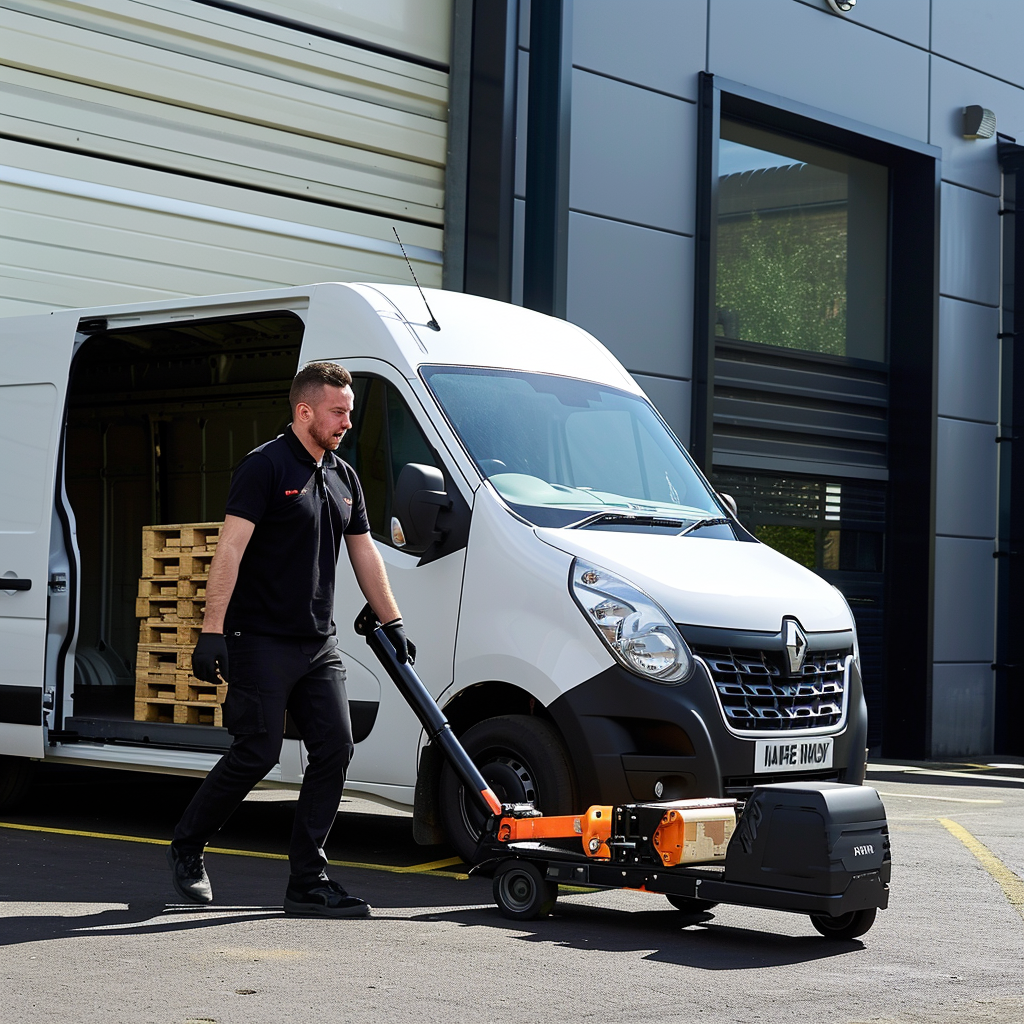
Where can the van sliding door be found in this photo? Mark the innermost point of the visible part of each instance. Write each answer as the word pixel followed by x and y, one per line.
pixel 35 356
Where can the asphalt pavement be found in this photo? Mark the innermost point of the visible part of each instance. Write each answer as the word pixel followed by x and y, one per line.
pixel 91 930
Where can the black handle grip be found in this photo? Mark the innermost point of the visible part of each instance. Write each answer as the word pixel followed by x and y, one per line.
pixel 9 583
pixel 432 718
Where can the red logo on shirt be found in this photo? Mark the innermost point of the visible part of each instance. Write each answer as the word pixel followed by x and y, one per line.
pixel 288 494
pixel 348 501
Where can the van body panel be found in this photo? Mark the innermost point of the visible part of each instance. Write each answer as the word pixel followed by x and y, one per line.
pixel 518 623
pixel 705 582
pixel 33 383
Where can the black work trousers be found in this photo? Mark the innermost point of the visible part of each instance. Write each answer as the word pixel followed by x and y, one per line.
pixel 268 675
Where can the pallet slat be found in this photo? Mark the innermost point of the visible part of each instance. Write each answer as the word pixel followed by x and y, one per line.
pixel 179 536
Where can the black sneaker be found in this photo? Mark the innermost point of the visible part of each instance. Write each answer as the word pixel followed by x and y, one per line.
pixel 324 898
pixel 189 874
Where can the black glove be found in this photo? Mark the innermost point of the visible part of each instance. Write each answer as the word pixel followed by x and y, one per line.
pixel 211 653
pixel 404 647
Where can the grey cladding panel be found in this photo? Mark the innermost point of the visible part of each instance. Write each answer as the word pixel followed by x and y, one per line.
pixel 826 61
pixel 968 361
pixel 983 34
pixel 631 288
pixel 518 248
pixel 657 43
pixel 633 154
pixel 904 19
pixel 971 162
pixel 965 488
pixel 965 605
pixel 969 260
pixel 963 710
pixel 522 106
pixel 672 399
pixel 783 405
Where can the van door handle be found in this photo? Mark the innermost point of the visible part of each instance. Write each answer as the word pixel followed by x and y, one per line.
pixel 10 583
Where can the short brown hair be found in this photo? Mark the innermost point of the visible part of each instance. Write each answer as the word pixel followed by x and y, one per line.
pixel 314 376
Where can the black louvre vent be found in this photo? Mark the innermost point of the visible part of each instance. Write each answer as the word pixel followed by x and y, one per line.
pixel 757 694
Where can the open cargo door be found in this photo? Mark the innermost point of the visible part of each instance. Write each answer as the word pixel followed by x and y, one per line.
pixel 35 356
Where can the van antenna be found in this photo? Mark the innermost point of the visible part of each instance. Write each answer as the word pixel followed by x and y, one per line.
pixel 431 323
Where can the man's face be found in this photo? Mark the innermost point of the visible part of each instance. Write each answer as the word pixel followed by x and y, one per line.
pixel 330 416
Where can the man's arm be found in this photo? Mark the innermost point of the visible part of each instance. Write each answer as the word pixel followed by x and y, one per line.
pixel 224 571
pixel 371 576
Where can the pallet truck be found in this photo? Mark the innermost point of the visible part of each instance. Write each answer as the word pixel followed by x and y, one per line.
pixel 815 848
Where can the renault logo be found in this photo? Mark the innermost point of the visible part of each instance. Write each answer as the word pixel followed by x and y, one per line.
pixel 796 645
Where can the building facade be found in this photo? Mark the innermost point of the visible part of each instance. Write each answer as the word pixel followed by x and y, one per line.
pixel 782 218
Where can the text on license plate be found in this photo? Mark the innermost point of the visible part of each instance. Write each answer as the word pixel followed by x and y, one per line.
pixel 792 755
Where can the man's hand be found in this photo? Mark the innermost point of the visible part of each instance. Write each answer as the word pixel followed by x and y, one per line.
pixel 211 653
pixel 404 647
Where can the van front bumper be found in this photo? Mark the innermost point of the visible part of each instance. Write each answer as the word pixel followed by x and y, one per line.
pixel 625 734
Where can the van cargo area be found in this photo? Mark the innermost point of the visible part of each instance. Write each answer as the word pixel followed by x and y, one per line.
pixel 157 419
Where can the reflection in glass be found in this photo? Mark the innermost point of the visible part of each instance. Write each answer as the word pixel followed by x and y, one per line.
pixel 801 244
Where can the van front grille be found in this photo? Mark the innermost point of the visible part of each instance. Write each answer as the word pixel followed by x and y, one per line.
pixel 757 695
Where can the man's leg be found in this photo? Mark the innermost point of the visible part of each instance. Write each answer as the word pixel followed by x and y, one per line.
pixel 319 707
pixel 263 671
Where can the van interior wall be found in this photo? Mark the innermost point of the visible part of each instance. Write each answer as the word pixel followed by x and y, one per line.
pixel 157 420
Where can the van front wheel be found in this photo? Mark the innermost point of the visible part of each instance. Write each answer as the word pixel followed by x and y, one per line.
pixel 522 759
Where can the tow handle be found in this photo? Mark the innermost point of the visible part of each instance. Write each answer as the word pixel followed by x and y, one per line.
pixel 418 697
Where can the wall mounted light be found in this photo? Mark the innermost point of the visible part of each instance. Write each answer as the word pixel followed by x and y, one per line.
pixel 842 6
pixel 978 123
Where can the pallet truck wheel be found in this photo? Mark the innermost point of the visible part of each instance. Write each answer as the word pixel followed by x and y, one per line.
pixel 688 905
pixel 522 892
pixel 15 780
pixel 846 926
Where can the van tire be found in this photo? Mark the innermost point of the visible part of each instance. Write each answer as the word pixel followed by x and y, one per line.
pixel 523 760
pixel 15 781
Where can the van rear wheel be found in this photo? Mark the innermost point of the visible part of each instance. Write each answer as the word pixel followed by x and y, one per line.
pixel 522 759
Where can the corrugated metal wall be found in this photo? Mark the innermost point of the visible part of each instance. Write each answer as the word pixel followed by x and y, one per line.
pixel 173 147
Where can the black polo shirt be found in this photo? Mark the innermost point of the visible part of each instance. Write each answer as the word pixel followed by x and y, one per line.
pixel 286 577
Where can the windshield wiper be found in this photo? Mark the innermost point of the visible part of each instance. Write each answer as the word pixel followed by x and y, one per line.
pixel 712 521
pixel 624 518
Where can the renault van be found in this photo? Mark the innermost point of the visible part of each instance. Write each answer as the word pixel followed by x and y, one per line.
pixel 592 617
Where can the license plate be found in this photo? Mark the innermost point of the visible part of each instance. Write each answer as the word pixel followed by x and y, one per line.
pixel 792 755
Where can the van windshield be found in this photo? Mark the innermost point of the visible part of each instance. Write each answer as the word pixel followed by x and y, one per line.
pixel 562 451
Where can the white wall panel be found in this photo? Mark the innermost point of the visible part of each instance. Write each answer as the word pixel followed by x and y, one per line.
pixel 115 233
pixel 969 258
pixel 963 710
pixel 983 34
pixel 657 43
pixel 965 605
pixel 965 498
pixel 971 162
pixel 817 58
pixel 631 288
pixel 633 154
pixel 968 361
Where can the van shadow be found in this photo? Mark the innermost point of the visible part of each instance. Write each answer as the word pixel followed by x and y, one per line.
pixel 662 936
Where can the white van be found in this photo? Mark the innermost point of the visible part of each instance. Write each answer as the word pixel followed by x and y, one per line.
pixel 593 619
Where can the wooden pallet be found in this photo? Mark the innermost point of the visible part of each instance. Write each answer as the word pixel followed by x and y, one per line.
pixel 191 587
pixel 180 685
pixel 188 610
pixel 169 634
pixel 162 658
pixel 178 712
pixel 179 536
pixel 177 564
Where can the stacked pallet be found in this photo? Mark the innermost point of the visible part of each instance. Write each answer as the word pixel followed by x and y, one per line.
pixel 171 604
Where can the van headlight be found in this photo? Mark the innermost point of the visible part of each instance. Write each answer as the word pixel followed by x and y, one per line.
pixel 637 631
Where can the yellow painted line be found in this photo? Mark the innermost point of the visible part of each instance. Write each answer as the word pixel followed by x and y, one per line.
pixel 414 869
pixel 1011 884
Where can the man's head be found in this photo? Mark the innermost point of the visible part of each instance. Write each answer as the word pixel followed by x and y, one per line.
pixel 321 399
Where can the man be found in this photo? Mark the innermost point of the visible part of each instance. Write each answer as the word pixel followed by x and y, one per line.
pixel 269 632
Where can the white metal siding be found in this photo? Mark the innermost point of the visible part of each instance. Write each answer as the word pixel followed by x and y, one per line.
pixel 195 105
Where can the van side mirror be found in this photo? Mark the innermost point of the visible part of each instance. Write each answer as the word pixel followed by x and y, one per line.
pixel 419 497
pixel 730 503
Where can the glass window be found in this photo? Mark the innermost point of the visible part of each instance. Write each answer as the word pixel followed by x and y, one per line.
pixel 802 245
pixel 559 449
